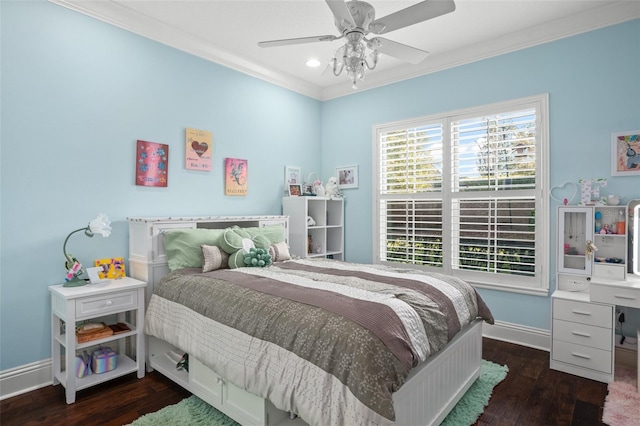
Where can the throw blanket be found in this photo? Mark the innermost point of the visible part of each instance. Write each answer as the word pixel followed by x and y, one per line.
pixel 345 331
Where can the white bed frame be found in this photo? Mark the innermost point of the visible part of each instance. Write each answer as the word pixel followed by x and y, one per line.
pixel 430 392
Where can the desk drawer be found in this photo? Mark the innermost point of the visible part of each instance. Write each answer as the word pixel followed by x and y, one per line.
pixel 609 271
pixel 605 293
pixel 583 312
pixel 582 356
pixel 106 304
pixel 585 335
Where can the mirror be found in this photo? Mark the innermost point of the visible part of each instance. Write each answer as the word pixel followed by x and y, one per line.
pixel 633 236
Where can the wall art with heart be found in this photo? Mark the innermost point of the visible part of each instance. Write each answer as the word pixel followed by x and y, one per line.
pixel 198 150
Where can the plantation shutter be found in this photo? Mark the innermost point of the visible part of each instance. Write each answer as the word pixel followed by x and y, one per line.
pixel 493 170
pixel 462 193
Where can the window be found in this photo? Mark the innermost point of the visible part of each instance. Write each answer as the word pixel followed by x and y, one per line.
pixel 463 194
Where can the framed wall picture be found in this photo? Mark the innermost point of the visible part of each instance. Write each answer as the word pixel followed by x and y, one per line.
pixel 295 190
pixel 236 175
pixel 292 176
pixel 152 164
pixel 347 177
pixel 625 153
pixel 198 150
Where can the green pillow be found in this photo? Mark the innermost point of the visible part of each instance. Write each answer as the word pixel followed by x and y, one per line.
pixel 238 241
pixel 184 246
pixel 274 233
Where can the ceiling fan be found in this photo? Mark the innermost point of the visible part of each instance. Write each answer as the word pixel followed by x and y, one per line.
pixel 355 20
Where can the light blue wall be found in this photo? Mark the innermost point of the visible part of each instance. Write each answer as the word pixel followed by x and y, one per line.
pixel 76 95
pixel 593 81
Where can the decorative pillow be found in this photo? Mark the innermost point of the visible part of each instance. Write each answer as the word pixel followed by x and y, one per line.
pixel 257 257
pixel 279 251
pixel 214 258
pixel 183 247
pixel 237 242
pixel 274 233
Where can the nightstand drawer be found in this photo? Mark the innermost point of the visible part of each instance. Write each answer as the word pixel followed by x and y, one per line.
pixel 106 304
pixel 582 356
pixel 583 312
pixel 581 334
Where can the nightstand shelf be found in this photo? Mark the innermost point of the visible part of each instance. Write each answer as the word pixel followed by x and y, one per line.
pixel 125 364
pixel 124 299
pixel 61 338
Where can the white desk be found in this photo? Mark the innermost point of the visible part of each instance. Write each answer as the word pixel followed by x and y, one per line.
pixel 619 293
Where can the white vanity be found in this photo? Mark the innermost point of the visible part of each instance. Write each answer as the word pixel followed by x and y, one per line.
pixel 584 305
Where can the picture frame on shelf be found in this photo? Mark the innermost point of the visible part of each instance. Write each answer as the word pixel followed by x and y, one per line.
pixel 292 176
pixel 295 190
pixel 625 153
pixel 347 177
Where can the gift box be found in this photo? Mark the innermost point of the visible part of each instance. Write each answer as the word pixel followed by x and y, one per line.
pixel 103 360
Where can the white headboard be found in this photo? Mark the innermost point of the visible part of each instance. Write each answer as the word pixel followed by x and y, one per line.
pixel 147 259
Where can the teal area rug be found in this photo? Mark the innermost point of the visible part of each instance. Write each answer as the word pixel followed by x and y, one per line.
pixel 193 411
pixel 472 404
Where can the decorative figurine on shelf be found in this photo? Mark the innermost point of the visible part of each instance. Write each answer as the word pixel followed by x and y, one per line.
pixel 74 271
pixel 331 189
pixel 590 248
pixel 310 221
pixel 318 189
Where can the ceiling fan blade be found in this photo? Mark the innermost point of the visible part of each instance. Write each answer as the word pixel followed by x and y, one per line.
pixel 301 40
pixel 400 51
pixel 341 13
pixel 420 12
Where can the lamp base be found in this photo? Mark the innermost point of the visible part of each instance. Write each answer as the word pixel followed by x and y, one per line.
pixel 75 282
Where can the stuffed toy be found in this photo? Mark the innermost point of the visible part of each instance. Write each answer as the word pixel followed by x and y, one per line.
pixel 238 243
pixel 331 188
pixel 318 189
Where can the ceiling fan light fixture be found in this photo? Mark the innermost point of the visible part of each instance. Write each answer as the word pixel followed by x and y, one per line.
pixel 355 19
pixel 354 57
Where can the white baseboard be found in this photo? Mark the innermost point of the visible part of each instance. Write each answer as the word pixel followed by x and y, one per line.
pixel 25 378
pixel 33 376
pixel 523 335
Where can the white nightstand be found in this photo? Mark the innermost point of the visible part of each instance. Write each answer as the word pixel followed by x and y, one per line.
pixel 73 304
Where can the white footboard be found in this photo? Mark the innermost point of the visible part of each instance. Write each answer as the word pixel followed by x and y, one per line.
pixel 436 387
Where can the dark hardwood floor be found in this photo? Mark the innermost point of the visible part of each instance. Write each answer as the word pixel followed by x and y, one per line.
pixel 532 394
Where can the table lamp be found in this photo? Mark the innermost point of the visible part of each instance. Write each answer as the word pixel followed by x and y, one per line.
pixel 99 225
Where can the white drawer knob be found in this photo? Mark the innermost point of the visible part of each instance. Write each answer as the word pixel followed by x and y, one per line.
pixel 109 303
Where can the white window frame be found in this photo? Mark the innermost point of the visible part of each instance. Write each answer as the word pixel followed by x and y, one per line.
pixel 537 285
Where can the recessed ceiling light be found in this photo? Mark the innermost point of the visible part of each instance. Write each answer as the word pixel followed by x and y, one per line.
pixel 313 63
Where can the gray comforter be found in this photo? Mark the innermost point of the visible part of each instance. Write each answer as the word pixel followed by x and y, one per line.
pixel 363 326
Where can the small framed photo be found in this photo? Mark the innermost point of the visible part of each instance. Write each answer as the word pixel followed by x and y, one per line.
pixel 94 275
pixel 292 176
pixel 295 190
pixel 625 153
pixel 347 177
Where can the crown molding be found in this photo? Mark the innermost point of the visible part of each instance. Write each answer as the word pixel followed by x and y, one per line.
pixel 122 17
pixel 118 15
